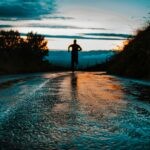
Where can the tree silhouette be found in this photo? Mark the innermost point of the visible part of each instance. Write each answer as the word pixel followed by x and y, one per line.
pixel 18 54
pixel 134 60
pixel 37 45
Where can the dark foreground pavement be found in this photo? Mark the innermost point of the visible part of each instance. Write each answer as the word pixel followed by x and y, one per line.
pixel 74 111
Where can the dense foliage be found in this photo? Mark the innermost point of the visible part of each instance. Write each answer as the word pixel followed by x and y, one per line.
pixel 134 60
pixel 22 54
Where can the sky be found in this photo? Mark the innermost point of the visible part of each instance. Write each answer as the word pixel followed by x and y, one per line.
pixel 96 24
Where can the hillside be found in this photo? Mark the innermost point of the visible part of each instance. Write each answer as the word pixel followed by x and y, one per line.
pixel 86 58
pixel 134 60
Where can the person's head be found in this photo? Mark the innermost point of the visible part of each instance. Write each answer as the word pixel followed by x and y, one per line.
pixel 75 41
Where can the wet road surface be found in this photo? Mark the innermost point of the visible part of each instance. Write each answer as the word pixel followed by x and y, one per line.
pixel 74 111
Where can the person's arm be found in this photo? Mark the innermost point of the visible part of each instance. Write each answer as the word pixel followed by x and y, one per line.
pixel 69 48
pixel 80 49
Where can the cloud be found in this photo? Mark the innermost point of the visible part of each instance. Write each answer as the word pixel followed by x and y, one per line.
pixel 79 37
pixel 60 26
pixel 59 17
pixel 5 26
pixel 94 36
pixel 37 24
pixel 118 35
pixel 54 26
pixel 26 9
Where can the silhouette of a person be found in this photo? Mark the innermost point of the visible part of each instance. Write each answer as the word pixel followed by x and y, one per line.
pixel 74 54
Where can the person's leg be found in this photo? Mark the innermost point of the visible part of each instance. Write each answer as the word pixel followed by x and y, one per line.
pixel 76 63
pixel 77 60
pixel 72 65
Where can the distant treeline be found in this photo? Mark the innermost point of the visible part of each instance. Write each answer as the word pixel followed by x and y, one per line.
pixel 134 59
pixel 23 54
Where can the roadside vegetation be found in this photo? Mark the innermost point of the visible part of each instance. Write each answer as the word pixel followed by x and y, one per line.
pixel 22 54
pixel 134 59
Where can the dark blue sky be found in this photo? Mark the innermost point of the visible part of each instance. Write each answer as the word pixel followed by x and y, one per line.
pixel 26 9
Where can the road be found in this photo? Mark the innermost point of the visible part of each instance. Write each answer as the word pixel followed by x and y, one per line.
pixel 74 111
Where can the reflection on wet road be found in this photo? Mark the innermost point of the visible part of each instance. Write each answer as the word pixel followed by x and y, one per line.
pixel 75 111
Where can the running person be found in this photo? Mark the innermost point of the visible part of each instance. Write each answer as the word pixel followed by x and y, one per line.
pixel 74 54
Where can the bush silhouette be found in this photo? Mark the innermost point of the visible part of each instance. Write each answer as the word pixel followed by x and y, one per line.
pixel 134 60
pixel 18 54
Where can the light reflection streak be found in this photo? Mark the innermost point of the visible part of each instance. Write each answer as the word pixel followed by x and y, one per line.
pixel 100 98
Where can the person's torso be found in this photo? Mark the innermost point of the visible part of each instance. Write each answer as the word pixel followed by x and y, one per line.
pixel 75 47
